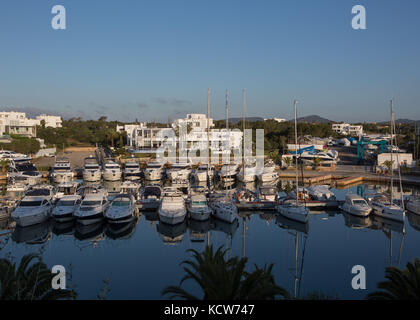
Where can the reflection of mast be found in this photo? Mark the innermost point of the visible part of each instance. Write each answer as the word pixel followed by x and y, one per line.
pixel 243 236
pixel 296 264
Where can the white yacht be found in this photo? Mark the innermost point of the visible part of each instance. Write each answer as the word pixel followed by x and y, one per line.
pixel 172 208
pixel 11 155
pixel 326 157
pixel 122 209
pixel 92 208
pixel 200 174
pixel 132 170
pixel 223 207
pixel 111 171
pixel 413 205
pixel 150 197
pixel 356 205
pixel 179 171
pixel 67 189
pixel 61 171
pixel 228 172
pixel 320 193
pixel 33 209
pixel 131 187
pixel 91 170
pixel 154 170
pixel 269 173
pixel 198 208
pixel 247 173
pixel 24 171
pixel 65 208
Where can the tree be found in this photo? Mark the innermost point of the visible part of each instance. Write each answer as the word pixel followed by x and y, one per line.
pixel 30 280
pixel 225 279
pixel 388 165
pixel 317 161
pixel 400 284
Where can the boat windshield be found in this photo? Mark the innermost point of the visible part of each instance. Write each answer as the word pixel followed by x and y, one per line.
pixel 30 203
pixel 131 165
pixel 122 203
pixel 65 203
pixel 199 203
pixel 38 192
pixel 359 202
pixel 91 203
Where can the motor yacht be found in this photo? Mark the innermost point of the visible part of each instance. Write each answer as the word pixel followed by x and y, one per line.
pixel 91 170
pixel 198 208
pixel 228 172
pixel 132 170
pixel 154 171
pixel 24 171
pixel 67 189
pixel 131 187
pixel 320 193
pixel 61 171
pixel 33 209
pixel 122 209
pixel 150 197
pixel 247 174
pixel 223 207
pixel 172 208
pixel 356 205
pixel 269 173
pixel 65 208
pixel 200 173
pixel 111 171
pixel 179 171
pixel 92 208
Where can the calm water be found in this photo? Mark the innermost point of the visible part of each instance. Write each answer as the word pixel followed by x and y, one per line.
pixel 142 260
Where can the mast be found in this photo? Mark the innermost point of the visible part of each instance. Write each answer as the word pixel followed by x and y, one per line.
pixel 208 133
pixel 243 129
pixel 392 162
pixel 227 110
pixel 297 181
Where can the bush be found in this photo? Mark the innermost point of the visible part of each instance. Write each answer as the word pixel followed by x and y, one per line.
pixel 22 145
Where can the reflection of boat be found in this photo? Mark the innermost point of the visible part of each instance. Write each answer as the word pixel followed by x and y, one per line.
pixel 89 232
pixel 414 220
pixel 226 227
pixel 413 205
pixel 121 230
pixel 172 234
pixel 356 222
pixel 65 228
pixel 286 223
pixel 388 224
pixel 34 234
pixel 151 215
pixel 199 229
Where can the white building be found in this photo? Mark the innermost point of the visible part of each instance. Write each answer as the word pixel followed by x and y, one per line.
pixel 195 120
pixel 348 129
pixel 404 159
pixel 50 121
pixel 16 123
pixel 276 119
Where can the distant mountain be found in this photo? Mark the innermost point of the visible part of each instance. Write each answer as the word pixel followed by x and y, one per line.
pixel 313 119
pixel 249 119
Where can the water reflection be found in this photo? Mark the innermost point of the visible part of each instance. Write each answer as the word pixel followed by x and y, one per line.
pixel 36 234
pixel 356 222
pixel 172 234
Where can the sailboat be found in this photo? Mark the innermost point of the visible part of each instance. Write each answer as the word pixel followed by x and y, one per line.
pixel 295 211
pixel 383 205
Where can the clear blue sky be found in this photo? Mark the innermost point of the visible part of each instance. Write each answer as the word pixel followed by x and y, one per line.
pixel 155 59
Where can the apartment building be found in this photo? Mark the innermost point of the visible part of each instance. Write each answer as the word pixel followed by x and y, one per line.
pixel 16 123
pixel 50 121
pixel 348 129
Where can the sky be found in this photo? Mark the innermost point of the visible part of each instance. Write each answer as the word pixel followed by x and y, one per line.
pixel 154 60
